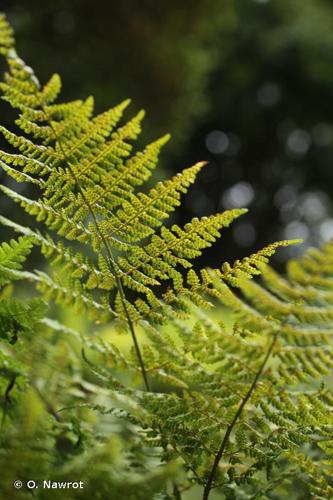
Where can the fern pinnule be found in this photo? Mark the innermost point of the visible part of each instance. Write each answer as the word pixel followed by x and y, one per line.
pixel 12 255
pixel 6 35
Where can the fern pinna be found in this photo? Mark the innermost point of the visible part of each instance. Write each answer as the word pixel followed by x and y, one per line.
pixel 240 405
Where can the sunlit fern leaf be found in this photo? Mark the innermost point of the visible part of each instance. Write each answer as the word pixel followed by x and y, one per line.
pixel 88 175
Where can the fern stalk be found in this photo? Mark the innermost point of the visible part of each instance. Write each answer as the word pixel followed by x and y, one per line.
pixel 237 415
pixel 7 400
pixel 48 406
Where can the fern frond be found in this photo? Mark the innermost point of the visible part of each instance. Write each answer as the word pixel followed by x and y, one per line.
pixel 88 179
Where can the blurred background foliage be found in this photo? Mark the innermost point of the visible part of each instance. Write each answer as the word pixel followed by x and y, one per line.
pixel 244 84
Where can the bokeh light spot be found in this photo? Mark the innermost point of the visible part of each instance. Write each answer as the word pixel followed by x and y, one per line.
pixel 217 142
pixel 326 229
pixel 298 141
pixel 239 195
pixel 296 229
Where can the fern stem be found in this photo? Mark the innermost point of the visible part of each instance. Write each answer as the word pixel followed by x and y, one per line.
pixel 119 286
pixel 7 400
pixel 110 259
pixel 237 415
pixel 48 406
pixel 176 492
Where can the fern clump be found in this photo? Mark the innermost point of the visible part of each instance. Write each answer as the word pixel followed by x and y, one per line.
pixel 242 407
